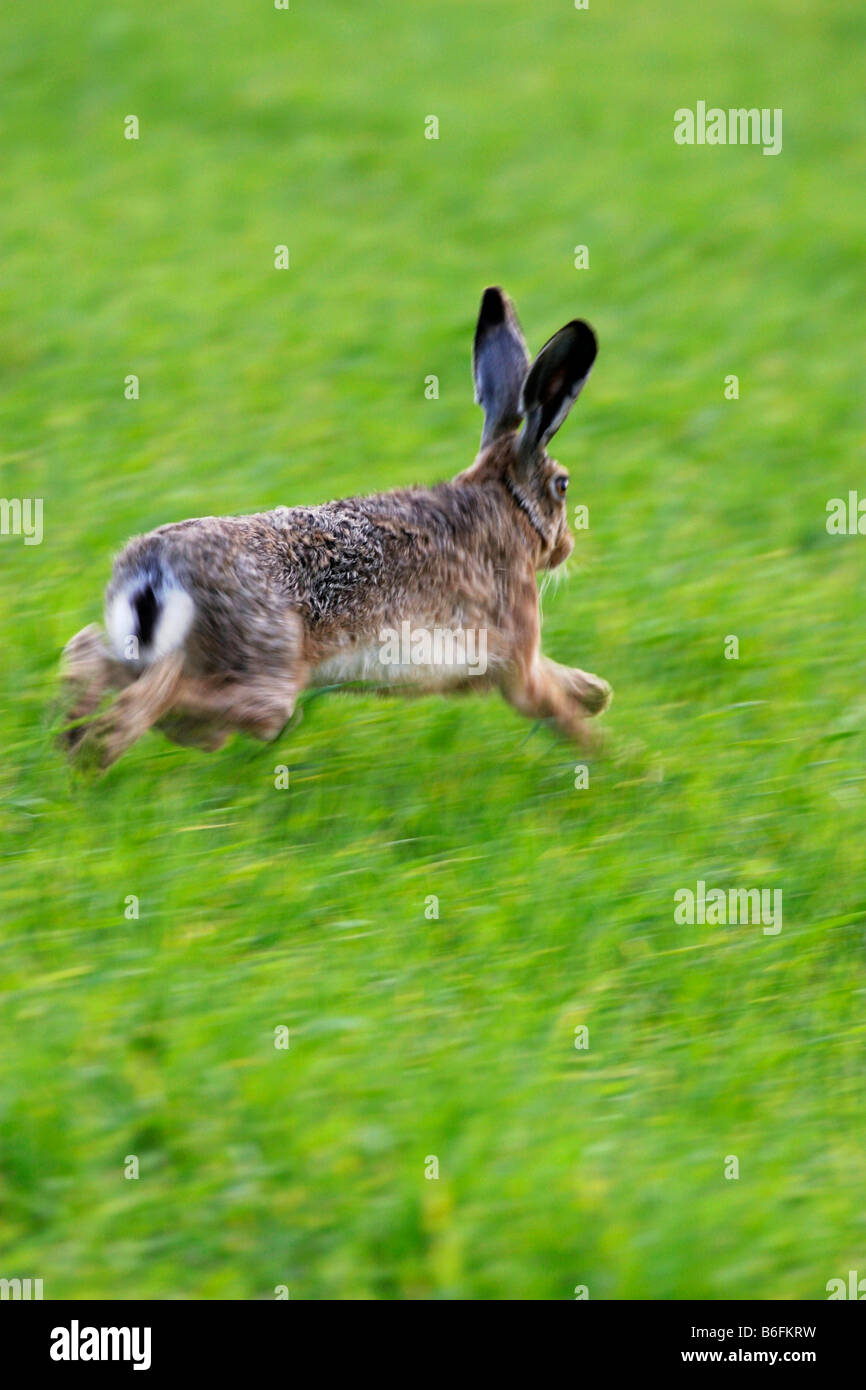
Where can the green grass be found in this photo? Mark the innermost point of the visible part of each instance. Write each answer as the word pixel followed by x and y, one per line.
pixel 262 907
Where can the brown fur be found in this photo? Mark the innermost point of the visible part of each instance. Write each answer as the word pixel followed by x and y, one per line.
pixel 276 596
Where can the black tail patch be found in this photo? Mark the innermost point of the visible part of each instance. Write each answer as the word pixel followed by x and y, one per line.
pixel 146 610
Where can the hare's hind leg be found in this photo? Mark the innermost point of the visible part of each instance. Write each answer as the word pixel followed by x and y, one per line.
pixel 192 732
pixel 261 706
pixel 133 712
pixel 260 702
pixel 88 671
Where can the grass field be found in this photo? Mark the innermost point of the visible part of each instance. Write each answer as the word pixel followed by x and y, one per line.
pixel 454 1037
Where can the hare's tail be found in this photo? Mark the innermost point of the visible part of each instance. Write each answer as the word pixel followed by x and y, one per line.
pixel 148 613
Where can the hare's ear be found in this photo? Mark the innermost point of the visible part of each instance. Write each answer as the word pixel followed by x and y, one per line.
pixel 499 364
pixel 556 379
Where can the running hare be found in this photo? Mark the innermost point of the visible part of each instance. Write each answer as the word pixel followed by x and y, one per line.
pixel 217 624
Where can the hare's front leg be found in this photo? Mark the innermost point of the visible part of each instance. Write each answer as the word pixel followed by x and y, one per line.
pixel 593 693
pixel 536 690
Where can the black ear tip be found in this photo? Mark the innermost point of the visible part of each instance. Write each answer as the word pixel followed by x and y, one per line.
pixel 584 335
pixel 584 344
pixel 493 307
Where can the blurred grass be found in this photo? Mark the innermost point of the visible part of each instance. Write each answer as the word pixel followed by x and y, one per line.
pixel 258 907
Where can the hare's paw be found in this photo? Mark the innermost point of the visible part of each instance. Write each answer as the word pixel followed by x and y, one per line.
pixel 592 692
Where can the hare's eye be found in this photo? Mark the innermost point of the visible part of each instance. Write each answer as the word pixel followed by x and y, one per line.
pixel 560 485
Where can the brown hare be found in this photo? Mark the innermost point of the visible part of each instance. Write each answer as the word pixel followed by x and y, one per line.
pixel 219 623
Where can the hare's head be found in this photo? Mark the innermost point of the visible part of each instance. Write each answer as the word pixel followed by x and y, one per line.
pixel 524 405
